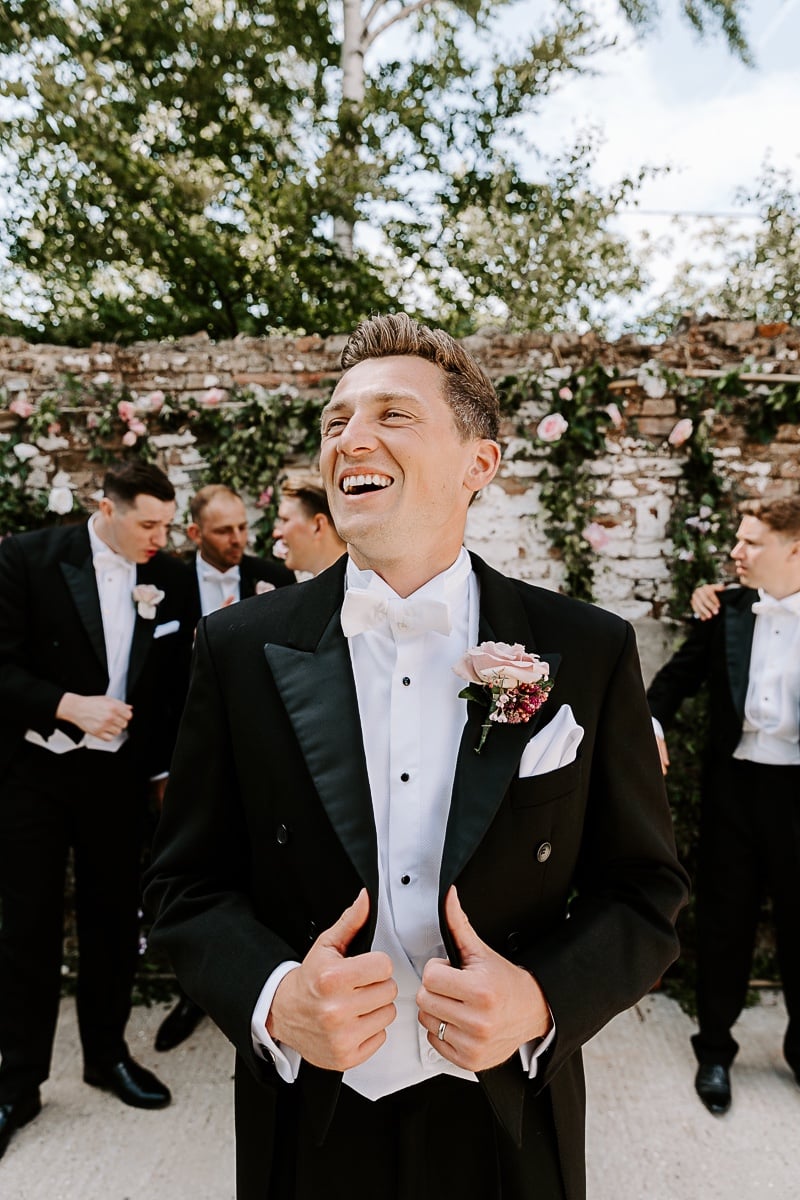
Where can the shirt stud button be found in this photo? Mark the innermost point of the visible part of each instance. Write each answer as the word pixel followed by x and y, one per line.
pixel 282 835
pixel 405 777
pixel 405 879
pixel 406 681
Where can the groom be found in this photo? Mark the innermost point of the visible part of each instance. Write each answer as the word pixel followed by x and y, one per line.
pixel 408 941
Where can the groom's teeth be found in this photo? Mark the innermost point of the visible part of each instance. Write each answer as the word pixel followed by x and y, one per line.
pixel 351 482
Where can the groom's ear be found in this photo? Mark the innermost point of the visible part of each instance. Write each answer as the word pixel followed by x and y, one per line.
pixel 484 465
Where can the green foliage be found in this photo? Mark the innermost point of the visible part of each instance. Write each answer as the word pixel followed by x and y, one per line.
pixel 186 166
pixel 245 440
pixel 568 491
pixel 741 274
pixel 701 522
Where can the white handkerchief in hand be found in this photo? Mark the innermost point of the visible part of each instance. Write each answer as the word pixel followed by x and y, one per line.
pixel 552 747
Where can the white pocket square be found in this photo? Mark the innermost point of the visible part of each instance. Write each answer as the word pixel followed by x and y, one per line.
pixel 166 628
pixel 552 747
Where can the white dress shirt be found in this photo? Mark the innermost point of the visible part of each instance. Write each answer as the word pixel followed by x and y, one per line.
pixel 116 579
pixel 412 720
pixel 216 587
pixel 770 732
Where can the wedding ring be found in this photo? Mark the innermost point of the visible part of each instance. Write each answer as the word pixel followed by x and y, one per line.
pixel 442 1028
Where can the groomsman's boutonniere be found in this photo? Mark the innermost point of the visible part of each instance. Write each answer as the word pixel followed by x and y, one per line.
pixel 263 586
pixel 147 597
pixel 513 682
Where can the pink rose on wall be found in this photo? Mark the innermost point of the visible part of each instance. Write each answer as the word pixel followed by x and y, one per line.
pixel 22 408
pixel 565 393
pixel 138 427
pixel 551 427
pixel 265 499
pixel 614 414
pixel 129 438
pixel 212 397
pixel 681 432
pixel 279 548
pixel 153 402
pixel 126 411
pixel 596 536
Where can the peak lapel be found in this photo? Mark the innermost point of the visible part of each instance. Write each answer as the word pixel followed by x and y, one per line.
pixel 481 780
pixel 739 625
pixel 317 688
pixel 79 575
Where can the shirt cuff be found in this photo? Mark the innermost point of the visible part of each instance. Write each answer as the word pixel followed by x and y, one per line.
pixel 285 1060
pixel 531 1052
pixel 658 728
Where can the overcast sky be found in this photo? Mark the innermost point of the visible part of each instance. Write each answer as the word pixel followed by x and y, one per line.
pixel 672 99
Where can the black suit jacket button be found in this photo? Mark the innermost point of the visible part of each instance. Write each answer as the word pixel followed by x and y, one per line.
pixel 282 835
pixel 544 852
pixel 312 931
pixel 512 942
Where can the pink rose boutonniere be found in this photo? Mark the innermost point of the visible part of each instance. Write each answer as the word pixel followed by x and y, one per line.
pixel 513 682
pixel 263 586
pixel 147 597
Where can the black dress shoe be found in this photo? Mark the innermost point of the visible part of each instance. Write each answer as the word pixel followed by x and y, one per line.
pixel 178 1024
pixel 713 1085
pixel 133 1084
pixel 15 1114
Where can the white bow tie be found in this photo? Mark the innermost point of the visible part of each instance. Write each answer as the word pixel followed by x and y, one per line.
pixel 107 560
pixel 363 610
pixel 768 604
pixel 212 575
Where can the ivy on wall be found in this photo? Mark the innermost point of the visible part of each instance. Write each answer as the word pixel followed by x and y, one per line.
pixel 244 437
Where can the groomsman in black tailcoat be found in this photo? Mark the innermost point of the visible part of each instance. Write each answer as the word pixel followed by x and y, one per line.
pixel 749 655
pixel 96 627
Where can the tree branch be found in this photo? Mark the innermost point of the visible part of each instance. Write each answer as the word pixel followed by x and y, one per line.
pixel 399 16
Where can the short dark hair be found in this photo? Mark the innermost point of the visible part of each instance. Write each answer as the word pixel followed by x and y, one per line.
pixel 125 481
pixel 467 388
pixel 311 495
pixel 782 516
pixel 203 497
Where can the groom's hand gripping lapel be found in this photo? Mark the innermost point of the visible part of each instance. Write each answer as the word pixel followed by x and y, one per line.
pixel 331 1009
pixel 489 1006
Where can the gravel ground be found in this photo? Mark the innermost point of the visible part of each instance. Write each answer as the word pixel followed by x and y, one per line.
pixel 649 1138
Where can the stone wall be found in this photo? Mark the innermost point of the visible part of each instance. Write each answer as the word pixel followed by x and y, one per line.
pixel 636 477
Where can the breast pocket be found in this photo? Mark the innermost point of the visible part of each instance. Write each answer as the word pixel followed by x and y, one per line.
pixel 536 790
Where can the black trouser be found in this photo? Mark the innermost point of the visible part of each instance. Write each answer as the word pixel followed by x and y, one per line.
pixel 94 802
pixel 749 849
pixel 435 1141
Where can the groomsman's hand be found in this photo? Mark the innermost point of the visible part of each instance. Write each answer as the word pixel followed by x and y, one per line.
pixel 334 1010
pixel 490 1006
pixel 102 716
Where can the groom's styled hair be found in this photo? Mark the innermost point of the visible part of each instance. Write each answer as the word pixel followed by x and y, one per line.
pixel 467 388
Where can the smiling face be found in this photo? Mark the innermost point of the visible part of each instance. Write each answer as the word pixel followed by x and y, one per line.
pixel 398 475
pixel 137 531
pixel 220 532
pixel 766 558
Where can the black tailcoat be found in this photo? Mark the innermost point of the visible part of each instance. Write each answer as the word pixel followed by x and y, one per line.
pixel 268 834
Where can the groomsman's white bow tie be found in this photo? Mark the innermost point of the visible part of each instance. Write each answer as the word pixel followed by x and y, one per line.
pixel 363 610
pixel 107 560
pixel 768 604
pixel 212 575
